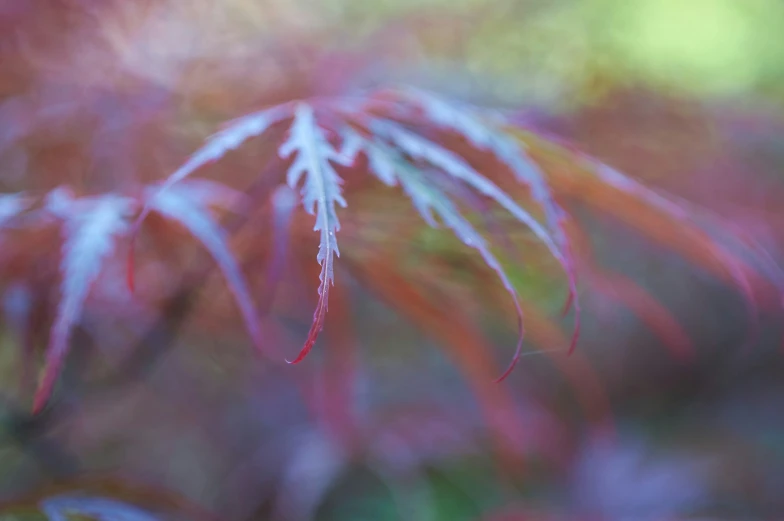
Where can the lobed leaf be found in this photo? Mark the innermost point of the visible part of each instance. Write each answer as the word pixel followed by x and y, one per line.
pixel 321 191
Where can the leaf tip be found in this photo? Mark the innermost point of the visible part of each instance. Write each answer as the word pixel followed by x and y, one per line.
pixel 304 351
pixel 518 348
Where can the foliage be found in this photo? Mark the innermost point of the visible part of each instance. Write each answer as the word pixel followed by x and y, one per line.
pixel 356 161
pixel 388 128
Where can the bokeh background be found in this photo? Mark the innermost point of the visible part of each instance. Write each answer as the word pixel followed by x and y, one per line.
pixel 663 413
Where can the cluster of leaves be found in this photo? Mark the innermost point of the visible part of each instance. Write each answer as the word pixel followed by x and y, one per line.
pixel 490 180
pixel 405 138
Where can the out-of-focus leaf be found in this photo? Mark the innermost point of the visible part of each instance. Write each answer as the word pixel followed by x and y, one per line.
pixel 464 344
pixel 90 227
pixel 61 508
pixel 580 178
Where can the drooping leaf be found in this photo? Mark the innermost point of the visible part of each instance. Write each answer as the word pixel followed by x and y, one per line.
pixel 456 331
pixel 423 149
pixel 90 227
pixel 469 123
pixel 466 122
pixel 545 335
pixel 428 200
pixel 321 191
pixel 626 291
pixel 186 204
pixel 583 178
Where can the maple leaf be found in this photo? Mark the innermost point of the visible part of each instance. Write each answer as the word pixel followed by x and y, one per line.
pixel 90 226
pixel 430 174
pixel 321 191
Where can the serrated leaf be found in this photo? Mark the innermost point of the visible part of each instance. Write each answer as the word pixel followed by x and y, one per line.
pixel 62 508
pixel 423 149
pixel 89 230
pixel 429 200
pixel 466 123
pixel 321 191
pixel 182 203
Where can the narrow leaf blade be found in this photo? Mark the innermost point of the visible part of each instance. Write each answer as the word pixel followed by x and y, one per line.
pixel 321 191
pixel 428 200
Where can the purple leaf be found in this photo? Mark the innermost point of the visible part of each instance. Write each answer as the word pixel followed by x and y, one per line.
pixel 320 192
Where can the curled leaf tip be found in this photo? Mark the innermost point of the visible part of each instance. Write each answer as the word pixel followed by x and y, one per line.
pixel 520 338
pixel 513 363
pixel 309 343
